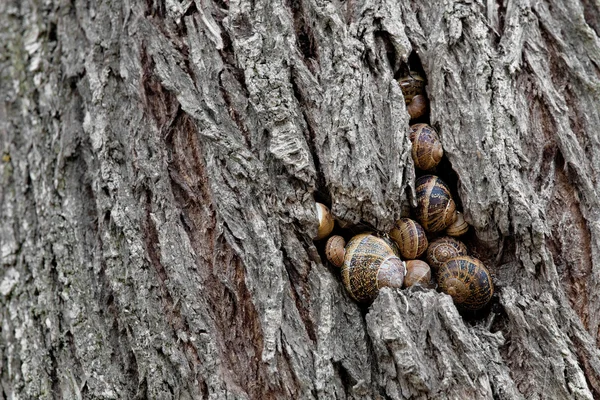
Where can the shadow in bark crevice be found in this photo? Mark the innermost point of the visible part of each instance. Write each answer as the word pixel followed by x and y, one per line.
pixel 156 8
pixel 305 38
pixel 348 382
pixel 385 38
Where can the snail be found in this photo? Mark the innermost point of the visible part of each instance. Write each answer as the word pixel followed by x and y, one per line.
pixel 335 251
pixel 417 107
pixel 467 280
pixel 410 238
pixel 417 273
pixel 459 227
pixel 326 222
pixel 427 149
pixel 413 89
pixel 435 207
pixel 370 262
pixel 442 249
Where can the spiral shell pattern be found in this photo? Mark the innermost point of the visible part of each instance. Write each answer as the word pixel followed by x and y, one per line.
pixel 417 273
pixel 443 249
pixel 435 207
pixel 369 264
pixel 467 280
pixel 411 85
pixel 427 151
pixel 410 238
pixel 335 251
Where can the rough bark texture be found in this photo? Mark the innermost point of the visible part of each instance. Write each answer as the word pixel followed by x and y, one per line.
pixel 160 163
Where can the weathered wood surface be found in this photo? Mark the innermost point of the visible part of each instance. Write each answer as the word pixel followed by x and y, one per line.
pixel 160 162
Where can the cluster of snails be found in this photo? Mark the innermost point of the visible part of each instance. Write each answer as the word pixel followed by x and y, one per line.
pixel 370 261
pixel 413 89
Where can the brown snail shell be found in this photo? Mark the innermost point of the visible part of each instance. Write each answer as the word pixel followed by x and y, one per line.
pixel 459 227
pixel 435 208
pixel 417 107
pixel 417 273
pixel 413 89
pixel 410 238
pixel 412 85
pixel 467 280
pixel 443 249
pixel 427 151
pixel 335 251
pixel 326 221
pixel 370 263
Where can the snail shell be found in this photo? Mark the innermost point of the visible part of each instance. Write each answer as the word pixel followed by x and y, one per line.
pixel 459 227
pixel 412 85
pixel 335 251
pixel 435 207
pixel 326 222
pixel 413 89
pixel 427 151
pixel 370 263
pixel 417 273
pixel 443 249
pixel 410 238
pixel 467 280
pixel 417 107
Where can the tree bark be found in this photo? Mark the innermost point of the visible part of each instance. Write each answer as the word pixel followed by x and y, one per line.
pixel 160 164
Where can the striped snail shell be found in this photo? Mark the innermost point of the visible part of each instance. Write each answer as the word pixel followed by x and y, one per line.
pixel 459 227
pixel 443 249
pixel 410 238
pixel 326 222
pixel 335 250
pixel 417 273
pixel 413 89
pixel 370 263
pixel 467 280
pixel 435 207
pixel 427 149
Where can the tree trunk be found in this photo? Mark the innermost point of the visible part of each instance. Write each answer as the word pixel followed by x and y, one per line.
pixel 160 164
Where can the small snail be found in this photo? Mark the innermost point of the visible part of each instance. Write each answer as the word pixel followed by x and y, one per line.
pixel 417 107
pixel 443 249
pixel 370 262
pixel 459 227
pixel 427 149
pixel 335 251
pixel 417 273
pixel 435 207
pixel 413 89
pixel 410 238
pixel 326 222
pixel 467 280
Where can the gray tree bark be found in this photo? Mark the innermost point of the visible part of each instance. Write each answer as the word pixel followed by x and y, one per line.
pixel 160 163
